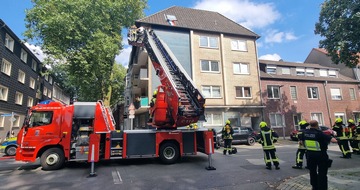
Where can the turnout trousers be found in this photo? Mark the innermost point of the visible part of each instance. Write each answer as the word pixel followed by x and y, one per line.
pixel 318 167
pixel 227 145
pixel 300 157
pixel 344 147
pixel 269 155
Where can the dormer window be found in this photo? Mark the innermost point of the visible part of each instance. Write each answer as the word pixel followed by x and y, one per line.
pixel 332 73
pixel 271 69
pixel 300 71
pixel 310 72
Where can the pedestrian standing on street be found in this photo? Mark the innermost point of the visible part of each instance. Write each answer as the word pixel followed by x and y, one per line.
pixel 267 137
pixel 343 134
pixel 316 143
pixel 226 134
pixel 301 149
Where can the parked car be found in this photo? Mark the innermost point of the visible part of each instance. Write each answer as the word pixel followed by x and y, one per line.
pixel 241 135
pixel 9 146
pixel 324 129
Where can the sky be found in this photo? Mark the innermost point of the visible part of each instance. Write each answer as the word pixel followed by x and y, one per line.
pixel 286 27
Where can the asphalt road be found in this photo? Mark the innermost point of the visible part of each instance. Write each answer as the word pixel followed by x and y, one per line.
pixel 244 170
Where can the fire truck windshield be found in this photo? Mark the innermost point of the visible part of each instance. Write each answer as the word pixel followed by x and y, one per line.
pixel 40 118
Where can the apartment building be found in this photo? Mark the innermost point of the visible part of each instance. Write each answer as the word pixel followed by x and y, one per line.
pixel 21 82
pixel 295 91
pixel 217 53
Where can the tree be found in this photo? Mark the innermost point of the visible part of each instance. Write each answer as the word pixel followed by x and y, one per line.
pixel 117 84
pixel 339 23
pixel 85 33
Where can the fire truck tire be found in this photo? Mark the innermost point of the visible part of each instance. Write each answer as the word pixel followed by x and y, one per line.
pixel 10 150
pixel 169 153
pixel 52 159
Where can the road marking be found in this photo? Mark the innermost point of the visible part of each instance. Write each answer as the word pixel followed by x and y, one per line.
pixel 116 177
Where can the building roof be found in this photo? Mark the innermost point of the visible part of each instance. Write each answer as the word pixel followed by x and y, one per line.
pixel 340 78
pixel 294 64
pixel 197 20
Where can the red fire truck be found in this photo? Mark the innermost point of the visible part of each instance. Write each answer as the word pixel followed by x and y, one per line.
pixel 85 131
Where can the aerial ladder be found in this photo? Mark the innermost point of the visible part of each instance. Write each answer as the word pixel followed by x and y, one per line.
pixel 178 101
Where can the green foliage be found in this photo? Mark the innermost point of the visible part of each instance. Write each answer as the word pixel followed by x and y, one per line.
pixel 339 23
pixel 85 33
pixel 117 84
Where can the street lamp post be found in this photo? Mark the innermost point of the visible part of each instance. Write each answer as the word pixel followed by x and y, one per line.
pixel 282 112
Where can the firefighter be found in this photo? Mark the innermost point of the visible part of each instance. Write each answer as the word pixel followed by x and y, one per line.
pixel 352 128
pixel 152 103
pixel 301 149
pixel 192 126
pixel 357 138
pixel 316 143
pixel 227 133
pixel 267 137
pixel 343 134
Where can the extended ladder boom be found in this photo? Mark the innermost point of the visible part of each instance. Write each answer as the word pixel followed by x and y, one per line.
pixel 184 103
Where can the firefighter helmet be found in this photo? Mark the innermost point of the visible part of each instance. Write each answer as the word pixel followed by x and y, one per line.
pixel 351 121
pixel 263 124
pixel 338 120
pixel 227 122
pixel 155 92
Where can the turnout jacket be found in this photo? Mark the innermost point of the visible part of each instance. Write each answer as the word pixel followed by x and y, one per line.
pixel 267 137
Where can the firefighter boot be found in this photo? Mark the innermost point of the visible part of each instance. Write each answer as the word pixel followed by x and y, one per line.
pixel 297 167
pixel 230 152
pixel 268 166
pixel 277 167
pixel 224 152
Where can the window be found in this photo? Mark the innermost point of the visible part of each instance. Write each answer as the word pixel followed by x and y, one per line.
pixel 9 42
pixel 21 77
pixel 335 93
pixel 18 98
pixel 300 71
pixel 40 118
pixel 293 92
pixel 273 92
pixel 23 55
pixel 211 91
pixel 340 115
pixel 213 118
pixel 34 65
pixel 323 73
pixel 49 93
pixel 32 83
pixel 243 92
pixel 211 42
pixel 210 66
pixel 332 73
pixel 6 67
pixel 296 120
pixel 318 117
pixel 313 93
pixel 50 80
pixel 47 77
pixel 352 94
pixel 241 68
pixel 285 71
pixel 2 121
pixel 45 91
pixel 16 121
pixel 3 93
pixel 276 120
pixel 271 69
pixel 310 72
pixel 30 101
pixel 239 45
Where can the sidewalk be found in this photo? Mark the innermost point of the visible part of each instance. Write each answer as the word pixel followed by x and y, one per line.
pixel 348 179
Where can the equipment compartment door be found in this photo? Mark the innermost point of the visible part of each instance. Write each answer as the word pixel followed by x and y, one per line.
pixel 141 145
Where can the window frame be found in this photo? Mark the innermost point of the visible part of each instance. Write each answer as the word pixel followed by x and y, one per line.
pixel 6 67
pixel 238 45
pixel 30 101
pixel 9 42
pixel 34 65
pixel 300 71
pixel 210 122
pixel 336 95
pixel 23 55
pixel 243 92
pixel 208 41
pixel 32 83
pixel 21 76
pixel 240 64
pixel 271 69
pixel 352 94
pixel 211 87
pixel 319 117
pixel 278 124
pixel 312 95
pixel 272 91
pixel 19 97
pixel 291 92
pixel 6 94
pixel 209 62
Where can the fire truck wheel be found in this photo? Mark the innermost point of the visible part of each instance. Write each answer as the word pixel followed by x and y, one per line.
pixel 10 150
pixel 52 159
pixel 169 153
